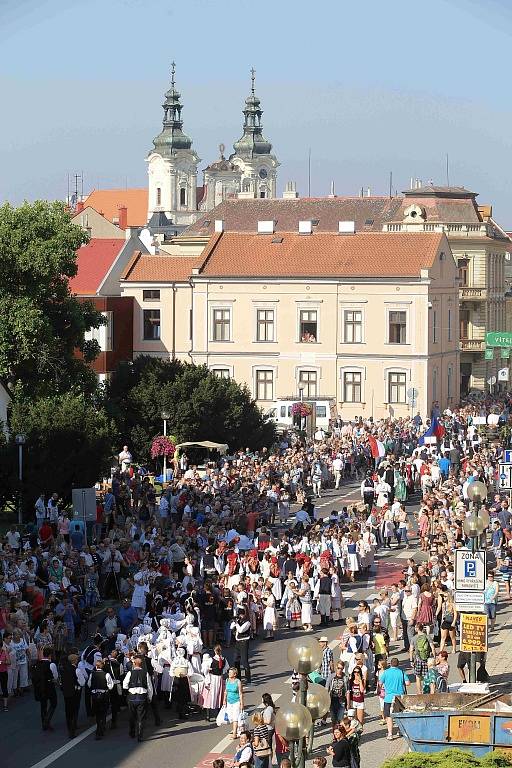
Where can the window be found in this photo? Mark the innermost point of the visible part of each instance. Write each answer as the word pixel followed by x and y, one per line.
pixel 282 412
pixel 150 295
pixel 449 325
pixel 434 328
pixel 307 382
pixel 397 327
pixel 449 382
pixel 321 411
pixel 104 335
pixel 396 387
pixel 158 196
pixel 151 324
pixel 352 387
pixel 464 323
pixel 265 325
pixel 222 373
pixel 221 324
pixel 353 326
pixel 308 325
pixel 434 384
pixel 264 385
pixel 463 265
pixel 183 196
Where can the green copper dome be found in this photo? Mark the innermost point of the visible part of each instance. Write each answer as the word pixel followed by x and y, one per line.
pixel 172 137
pixel 252 142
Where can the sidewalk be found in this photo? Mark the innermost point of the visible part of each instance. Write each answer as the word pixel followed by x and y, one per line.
pixel 374 747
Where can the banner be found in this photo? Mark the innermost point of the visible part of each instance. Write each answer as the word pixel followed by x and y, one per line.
pixel 473 632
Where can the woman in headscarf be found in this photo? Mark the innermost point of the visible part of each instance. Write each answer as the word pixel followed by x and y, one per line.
pixel 180 671
pixel 213 668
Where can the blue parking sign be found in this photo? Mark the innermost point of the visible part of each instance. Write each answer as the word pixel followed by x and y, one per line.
pixel 470 569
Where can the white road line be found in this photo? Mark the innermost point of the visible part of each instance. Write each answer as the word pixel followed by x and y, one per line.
pixel 53 756
pixel 227 740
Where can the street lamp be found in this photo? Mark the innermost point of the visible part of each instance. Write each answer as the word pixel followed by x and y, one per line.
pixel 295 721
pixel 20 441
pixel 165 416
pixel 474 526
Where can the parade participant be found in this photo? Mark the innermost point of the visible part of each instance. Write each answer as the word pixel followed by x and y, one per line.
pixel 214 669
pixel 242 629
pixel 100 684
pixel 140 691
pixel 72 680
pixel 180 671
pixel 44 677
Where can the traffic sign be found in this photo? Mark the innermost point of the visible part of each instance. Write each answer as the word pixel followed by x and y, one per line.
pixel 505 476
pixel 507 457
pixel 469 601
pixel 503 374
pixel 473 633
pixel 498 339
pixel 489 354
pixel 470 570
pixel 505 353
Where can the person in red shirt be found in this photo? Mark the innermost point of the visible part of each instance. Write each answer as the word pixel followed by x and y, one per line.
pixel 46 534
pixel 36 598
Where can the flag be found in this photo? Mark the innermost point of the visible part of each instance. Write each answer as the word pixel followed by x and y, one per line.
pixel 436 429
pixel 376 447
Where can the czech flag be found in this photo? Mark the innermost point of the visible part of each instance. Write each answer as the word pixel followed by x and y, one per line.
pixel 436 429
pixel 376 447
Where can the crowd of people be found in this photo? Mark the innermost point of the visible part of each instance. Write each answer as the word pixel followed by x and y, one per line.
pixel 168 591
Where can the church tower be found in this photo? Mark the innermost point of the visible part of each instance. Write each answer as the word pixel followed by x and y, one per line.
pixel 172 166
pixel 253 153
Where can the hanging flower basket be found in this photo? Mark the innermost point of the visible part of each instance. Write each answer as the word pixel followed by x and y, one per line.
pixel 301 409
pixel 162 446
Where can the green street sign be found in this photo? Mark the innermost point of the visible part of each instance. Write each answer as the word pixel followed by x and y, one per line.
pixel 489 354
pixel 505 353
pixel 498 339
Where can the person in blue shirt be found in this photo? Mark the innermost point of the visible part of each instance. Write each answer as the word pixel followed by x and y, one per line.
pixel 395 683
pixel 444 466
pixel 77 538
pixel 127 617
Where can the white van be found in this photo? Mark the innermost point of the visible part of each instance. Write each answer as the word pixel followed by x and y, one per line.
pixel 281 413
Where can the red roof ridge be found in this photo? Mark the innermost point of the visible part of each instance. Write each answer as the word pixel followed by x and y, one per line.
pixel 129 267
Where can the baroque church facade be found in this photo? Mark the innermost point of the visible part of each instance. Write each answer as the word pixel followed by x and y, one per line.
pixel 174 198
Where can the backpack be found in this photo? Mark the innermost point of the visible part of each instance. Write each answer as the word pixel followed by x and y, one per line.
pixel 423 647
pixel 441 685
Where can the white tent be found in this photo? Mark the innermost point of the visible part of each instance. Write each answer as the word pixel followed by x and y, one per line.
pixel 220 447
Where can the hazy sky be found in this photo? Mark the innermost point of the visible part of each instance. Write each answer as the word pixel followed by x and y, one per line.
pixel 371 87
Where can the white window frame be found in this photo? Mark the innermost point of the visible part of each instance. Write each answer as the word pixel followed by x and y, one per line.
pixel 308 306
pixel 387 374
pixel 352 369
pixel 405 310
pixel 221 308
pixel 152 309
pixel 220 370
pixel 264 369
pixel 272 324
pixel 314 371
pixel 346 325
pixel 352 385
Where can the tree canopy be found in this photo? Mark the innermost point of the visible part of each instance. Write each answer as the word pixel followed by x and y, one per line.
pixel 68 443
pixel 199 404
pixel 449 758
pixel 41 322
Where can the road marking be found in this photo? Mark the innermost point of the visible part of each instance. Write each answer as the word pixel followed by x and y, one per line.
pixel 53 756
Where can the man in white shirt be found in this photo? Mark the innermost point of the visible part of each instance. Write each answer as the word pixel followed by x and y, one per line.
pixel 337 468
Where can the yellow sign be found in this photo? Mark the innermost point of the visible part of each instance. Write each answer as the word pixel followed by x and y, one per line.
pixel 469 729
pixel 473 632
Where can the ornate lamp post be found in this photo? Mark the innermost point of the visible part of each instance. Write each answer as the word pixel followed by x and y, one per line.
pixel 295 721
pixel 474 526
pixel 165 416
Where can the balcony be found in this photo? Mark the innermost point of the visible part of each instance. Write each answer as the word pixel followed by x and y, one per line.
pixel 473 294
pixel 472 345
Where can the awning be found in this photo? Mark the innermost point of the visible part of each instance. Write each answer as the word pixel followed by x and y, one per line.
pixel 208 444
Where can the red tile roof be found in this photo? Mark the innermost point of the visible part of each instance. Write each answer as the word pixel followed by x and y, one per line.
pixel 160 269
pixel 108 202
pixel 94 261
pixel 375 254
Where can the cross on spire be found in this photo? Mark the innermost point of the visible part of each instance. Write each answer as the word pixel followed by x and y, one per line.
pixel 253 77
pixel 173 71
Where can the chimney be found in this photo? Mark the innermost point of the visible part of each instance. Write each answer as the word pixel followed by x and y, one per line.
pixel 368 192
pixel 123 217
pixel 346 227
pixel 79 207
pixel 333 189
pixel 266 227
pixel 305 227
pixel 219 225
pixel 128 233
pixel 290 192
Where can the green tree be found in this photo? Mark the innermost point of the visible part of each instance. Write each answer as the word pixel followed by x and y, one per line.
pixel 68 444
pixel 201 406
pixel 41 323
pixel 449 758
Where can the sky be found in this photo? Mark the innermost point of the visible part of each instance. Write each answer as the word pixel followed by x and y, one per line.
pixel 370 88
